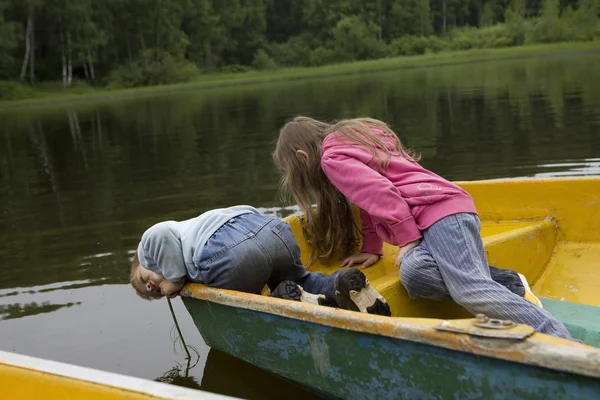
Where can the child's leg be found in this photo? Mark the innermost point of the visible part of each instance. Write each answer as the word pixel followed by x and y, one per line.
pixel 456 246
pixel 280 243
pixel 422 279
pixel 347 288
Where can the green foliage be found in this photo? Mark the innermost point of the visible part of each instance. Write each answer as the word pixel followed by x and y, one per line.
pixel 410 17
pixel 322 56
pixel 9 37
pixel 11 90
pixel 356 39
pixel 569 25
pixel 472 38
pixel 487 15
pixel 235 68
pixel 414 45
pixel 548 28
pixel 153 68
pixel 262 60
pixel 515 22
pixel 295 52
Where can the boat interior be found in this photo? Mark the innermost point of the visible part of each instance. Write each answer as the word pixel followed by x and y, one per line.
pixel 548 230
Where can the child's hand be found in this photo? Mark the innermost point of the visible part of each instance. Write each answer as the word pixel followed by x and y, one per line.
pixel 171 289
pixel 405 249
pixel 366 259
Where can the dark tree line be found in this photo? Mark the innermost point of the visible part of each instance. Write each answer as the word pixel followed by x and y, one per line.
pixel 143 42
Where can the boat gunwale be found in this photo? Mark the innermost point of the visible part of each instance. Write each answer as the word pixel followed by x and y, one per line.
pixel 125 383
pixel 528 180
pixel 538 350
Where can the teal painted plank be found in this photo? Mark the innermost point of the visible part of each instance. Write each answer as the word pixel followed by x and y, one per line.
pixel 352 365
pixel 582 321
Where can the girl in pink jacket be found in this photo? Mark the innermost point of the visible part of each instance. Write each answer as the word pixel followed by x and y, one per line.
pixel 361 162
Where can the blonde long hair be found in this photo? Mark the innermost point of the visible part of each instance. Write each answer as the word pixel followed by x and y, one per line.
pixel 331 227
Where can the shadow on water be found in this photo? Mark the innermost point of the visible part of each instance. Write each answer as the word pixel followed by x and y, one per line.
pixel 79 185
pixel 231 376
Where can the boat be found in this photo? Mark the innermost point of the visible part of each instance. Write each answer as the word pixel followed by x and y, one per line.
pixel 31 378
pixel 546 229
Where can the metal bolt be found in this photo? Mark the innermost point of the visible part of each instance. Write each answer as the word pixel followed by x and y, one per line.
pixel 507 322
pixel 481 318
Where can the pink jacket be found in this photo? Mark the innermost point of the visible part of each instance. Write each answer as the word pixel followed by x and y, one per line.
pixel 397 204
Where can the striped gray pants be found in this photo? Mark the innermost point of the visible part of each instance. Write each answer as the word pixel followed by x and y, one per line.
pixel 450 262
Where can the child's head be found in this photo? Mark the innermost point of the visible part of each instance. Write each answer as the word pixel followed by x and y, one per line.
pixel 145 282
pixel 298 156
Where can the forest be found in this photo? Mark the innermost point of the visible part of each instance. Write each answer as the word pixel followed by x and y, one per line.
pixel 132 43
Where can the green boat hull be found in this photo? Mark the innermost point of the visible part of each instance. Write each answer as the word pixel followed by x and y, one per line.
pixel 354 365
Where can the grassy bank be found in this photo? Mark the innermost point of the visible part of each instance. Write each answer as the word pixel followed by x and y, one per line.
pixel 49 95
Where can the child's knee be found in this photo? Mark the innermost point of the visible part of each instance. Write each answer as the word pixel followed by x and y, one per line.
pixel 410 276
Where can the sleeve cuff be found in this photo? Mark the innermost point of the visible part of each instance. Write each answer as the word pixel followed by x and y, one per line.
pixel 372 245
pixel 406 231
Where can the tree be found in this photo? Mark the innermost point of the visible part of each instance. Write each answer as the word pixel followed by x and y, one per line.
pixel 487 15
pixel 409 17
pixel 206 35
pixel 8 42
pixel 549 27
pixel 355 39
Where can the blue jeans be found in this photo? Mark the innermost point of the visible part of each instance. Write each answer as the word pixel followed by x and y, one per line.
pixel 252 250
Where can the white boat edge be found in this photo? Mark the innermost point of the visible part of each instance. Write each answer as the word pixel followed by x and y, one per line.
pixel 117 381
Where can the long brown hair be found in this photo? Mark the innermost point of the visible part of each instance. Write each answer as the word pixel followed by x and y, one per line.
pixel 331 227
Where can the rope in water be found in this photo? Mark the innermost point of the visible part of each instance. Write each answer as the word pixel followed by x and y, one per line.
pixel 185 347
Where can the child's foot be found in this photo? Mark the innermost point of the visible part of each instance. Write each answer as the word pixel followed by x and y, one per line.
pixel 289 290
pixel 354 292
pixel 529 294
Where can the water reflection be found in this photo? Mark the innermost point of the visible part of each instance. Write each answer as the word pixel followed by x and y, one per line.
pixel 79 184
pixel 12 311
pixel 589 167
pixel 233 377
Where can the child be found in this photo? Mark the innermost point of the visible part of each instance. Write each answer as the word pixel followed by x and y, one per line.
pixel 239 248
pixel 435 223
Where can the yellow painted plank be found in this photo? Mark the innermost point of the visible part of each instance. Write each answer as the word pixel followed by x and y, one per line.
pixel 573 274
pixel 574 203
pixel 24 384
pixel 525 249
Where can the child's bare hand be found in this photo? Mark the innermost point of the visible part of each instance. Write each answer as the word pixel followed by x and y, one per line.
pixel 405 249
pixel 171 289
pixel 366 259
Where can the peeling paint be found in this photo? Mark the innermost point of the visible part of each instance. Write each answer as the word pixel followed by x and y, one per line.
pixel 320 353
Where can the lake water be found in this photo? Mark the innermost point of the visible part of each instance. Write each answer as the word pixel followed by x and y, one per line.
pixel 79 185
